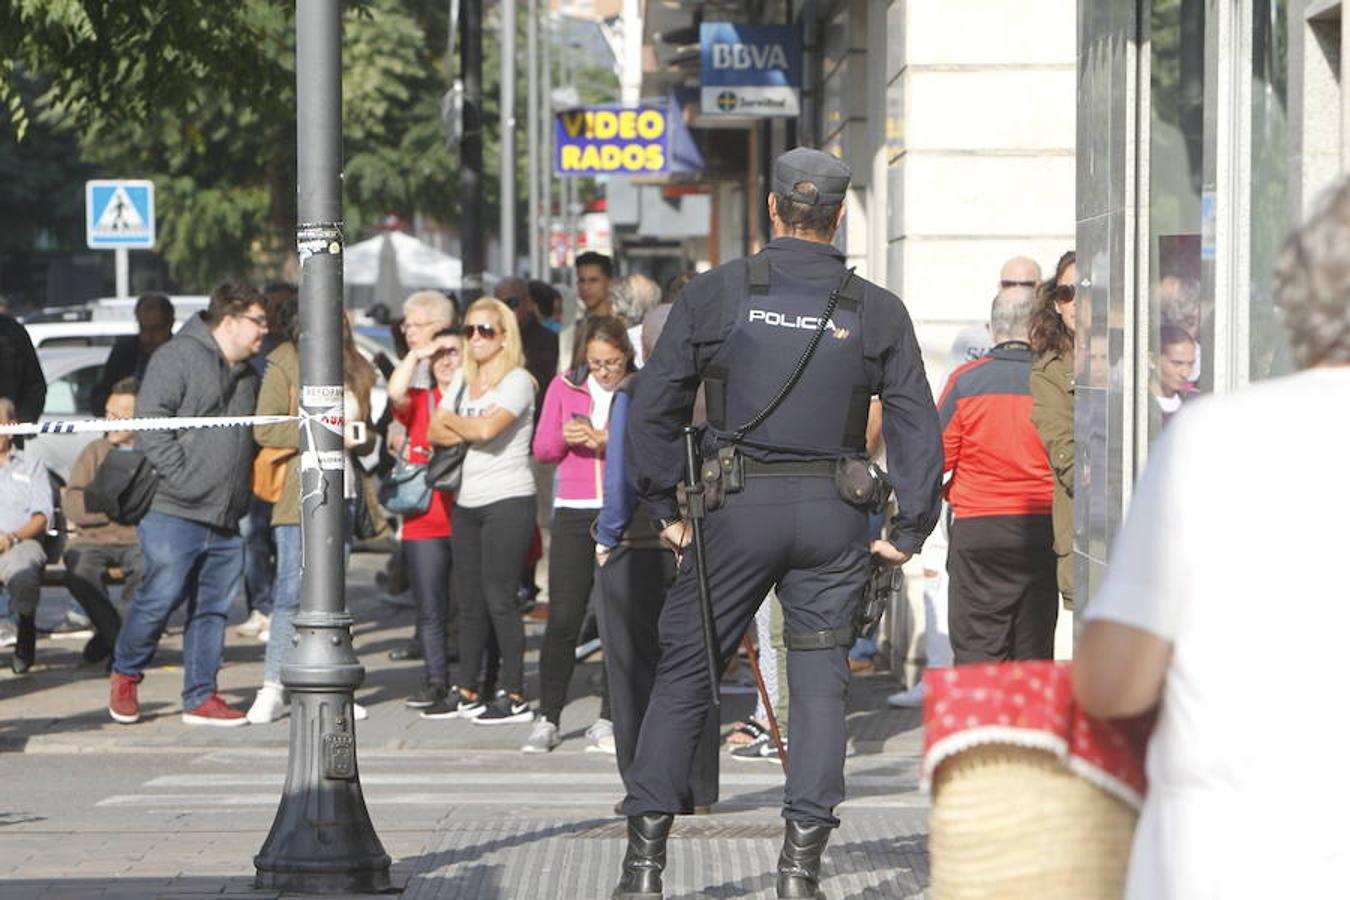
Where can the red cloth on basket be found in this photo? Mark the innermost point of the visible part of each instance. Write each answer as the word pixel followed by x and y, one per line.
pixel 1030 704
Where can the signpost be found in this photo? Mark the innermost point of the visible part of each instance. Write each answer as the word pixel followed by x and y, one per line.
pixel 119 215
pixel 751 70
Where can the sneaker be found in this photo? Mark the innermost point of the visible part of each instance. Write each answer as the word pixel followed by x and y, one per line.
pixel 215 711
pixel 455 705
pixel 910 699
pixel 401 600
pixel 359 712
pixel 505 710
pixel 8 635
pixel 410 650
pixel 600 737
pixel 268 706
pixel 122 703
pixel 432 692
pixel 254 625
pixel 543 737
pixel 761 749
pixel 265 635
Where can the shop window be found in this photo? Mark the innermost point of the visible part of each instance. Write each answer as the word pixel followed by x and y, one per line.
pixel 1181 332
pixel 1269 350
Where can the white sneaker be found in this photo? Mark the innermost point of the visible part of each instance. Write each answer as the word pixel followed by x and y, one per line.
pixel 254 625
pixel 265 635
pixel 543 737
pixel 910 699
pixel 359 712
pixel 601 737
pixel 269 705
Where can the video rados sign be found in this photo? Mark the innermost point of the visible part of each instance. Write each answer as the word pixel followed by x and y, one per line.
pixel 612 140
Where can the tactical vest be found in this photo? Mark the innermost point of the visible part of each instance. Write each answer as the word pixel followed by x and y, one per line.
pixel 826 413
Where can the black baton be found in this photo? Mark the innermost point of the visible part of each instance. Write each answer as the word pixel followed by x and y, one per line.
pixel 693 492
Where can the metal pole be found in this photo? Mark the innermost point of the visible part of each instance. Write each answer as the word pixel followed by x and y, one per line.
pixel 471 151
pixel 322 840
pixel 122 266
pixel 532 129
pixel 508 138
pixel 546 175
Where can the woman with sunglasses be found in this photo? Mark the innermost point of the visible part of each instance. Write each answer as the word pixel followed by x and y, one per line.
pixel 573 432
pixel 426 536
pixel 494 510
pixel 1051 337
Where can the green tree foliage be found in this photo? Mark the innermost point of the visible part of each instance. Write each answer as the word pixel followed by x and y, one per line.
pixel 199 96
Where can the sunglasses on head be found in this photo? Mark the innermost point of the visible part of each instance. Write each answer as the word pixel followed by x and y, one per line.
pixel 1063 293
pixel 486 332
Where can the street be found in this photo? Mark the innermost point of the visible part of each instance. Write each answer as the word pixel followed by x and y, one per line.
pixel 158 809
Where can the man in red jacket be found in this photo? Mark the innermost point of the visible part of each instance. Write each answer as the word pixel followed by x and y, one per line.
pixel 1000 560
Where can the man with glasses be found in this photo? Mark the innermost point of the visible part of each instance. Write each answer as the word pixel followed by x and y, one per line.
pixel 190 538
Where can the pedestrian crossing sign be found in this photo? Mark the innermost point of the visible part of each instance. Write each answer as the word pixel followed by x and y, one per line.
pixel 119 214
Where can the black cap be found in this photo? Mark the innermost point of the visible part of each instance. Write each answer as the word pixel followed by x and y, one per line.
pixel 829 175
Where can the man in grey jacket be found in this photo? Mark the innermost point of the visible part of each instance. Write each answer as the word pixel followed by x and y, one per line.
pixel 190 537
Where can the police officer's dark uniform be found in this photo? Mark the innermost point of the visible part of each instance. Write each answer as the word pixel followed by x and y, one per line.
pixel 740 329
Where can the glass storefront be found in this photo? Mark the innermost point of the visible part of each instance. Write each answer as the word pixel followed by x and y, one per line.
pixel 1180 313
pixel 1268 349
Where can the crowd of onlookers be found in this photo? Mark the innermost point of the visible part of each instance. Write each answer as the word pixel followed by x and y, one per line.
pixel 532 410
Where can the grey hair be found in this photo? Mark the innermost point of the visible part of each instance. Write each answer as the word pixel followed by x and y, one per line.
pixel 1312 283
pixel 633 296
pixel 1010 314
pixel 436 305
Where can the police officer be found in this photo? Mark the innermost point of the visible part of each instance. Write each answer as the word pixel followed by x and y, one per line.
pixel 783 463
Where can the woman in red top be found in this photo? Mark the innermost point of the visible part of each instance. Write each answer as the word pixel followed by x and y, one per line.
pixel 426 536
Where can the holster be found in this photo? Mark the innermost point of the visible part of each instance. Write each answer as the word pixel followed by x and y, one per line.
pixel 862 483
pixel 722 475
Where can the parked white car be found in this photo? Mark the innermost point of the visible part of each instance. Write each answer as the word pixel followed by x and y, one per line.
pixel 71 373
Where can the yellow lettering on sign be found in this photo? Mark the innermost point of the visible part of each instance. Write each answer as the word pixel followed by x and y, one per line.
pixel 606 125
pixel 590 158
pixel 628 124
pixel 651 124
pixel 573 122
pixel 571 157
pixel 633 157
pixel 656 157
pixel 610 154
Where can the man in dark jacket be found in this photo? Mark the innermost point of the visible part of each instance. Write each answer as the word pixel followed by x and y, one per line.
pixel 20 373
pixel 191 532
pixel 131 353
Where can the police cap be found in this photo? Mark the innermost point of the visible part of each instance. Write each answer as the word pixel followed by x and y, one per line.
pixel 829 175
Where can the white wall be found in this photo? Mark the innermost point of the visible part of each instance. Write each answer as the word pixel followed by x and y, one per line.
pixel 979 108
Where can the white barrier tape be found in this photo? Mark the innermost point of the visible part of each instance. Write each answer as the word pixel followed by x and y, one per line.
pixel 167 423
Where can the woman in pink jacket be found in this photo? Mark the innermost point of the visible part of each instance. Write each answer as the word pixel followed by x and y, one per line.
pixel 572 432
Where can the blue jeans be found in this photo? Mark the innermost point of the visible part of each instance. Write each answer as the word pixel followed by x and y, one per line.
pixel 286 593
pixel 285 600
pixel 184 561
pixel 256 530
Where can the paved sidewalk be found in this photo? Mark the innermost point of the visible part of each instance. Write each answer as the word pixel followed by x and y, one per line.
pixel 93 809
pixel 60 707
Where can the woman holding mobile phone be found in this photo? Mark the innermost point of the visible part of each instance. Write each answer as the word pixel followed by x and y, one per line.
pixel 573 432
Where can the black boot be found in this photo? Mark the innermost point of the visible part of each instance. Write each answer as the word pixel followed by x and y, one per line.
pixel 25 647
pixel 799 863
pixel 646 857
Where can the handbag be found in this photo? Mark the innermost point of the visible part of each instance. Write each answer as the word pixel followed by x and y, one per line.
pixel 123 487
pixel 406 490
pixel 269 472
pixel 269 466
pixel 446 466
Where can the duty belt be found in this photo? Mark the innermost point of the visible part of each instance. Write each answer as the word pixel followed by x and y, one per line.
pixel 823 468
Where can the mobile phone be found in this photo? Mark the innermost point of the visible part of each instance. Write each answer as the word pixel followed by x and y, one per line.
pixel 356 432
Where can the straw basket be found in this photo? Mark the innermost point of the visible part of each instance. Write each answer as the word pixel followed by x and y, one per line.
pixel 1010 822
